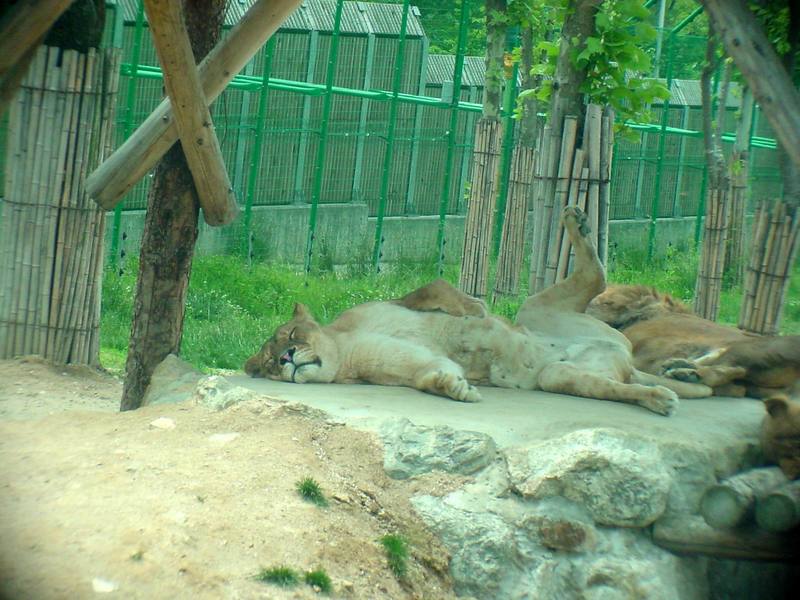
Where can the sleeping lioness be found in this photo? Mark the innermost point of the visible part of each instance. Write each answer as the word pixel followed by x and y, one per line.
pixel 669 339
pixel 441 341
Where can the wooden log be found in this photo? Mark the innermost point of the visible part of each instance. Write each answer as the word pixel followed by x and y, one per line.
pixel 691 535
pixel 23 27
pixel 779 510
pixel 730 502
pixel 192 116
pixel 141 151
pixel 746 42
pixel 560 198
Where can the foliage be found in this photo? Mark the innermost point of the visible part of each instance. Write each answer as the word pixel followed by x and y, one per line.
pixel 319 578
pixel 311 491
pixel 614 59
pixel 282 576
pixel 396 548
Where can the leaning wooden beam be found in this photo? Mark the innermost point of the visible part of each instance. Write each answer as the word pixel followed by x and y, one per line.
pixel 140 152
pixel 192 117
pixel 747 43
pixel 23 28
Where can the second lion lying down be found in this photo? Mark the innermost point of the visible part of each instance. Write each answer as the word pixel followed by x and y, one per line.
pixel 442 341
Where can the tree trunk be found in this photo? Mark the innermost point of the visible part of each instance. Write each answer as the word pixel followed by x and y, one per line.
pixel 773 88
pixel 495 47
pixel 567 98
pixel 528 125
pixel 708 286
pixel 739 173
pixel 168 239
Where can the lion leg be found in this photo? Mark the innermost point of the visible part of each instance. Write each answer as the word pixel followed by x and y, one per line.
pixel 684 389
pixel 565 378
pixel 440 295
pixel 588 278
pixel 695 371
pixel 446 378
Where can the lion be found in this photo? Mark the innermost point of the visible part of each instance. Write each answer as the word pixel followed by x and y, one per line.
pixel 442 341
pixel 669 339
pixel 780 434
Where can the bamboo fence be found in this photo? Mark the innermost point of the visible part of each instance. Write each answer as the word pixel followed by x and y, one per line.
pixel 708 286
pixel 51 233
pixel 774 250
pixel 480 212
pixel 579 177
pixel 512 239
pixel 734 259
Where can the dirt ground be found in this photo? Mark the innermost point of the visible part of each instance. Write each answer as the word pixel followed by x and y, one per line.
pixel 176 501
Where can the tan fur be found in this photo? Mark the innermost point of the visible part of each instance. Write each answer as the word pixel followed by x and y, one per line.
pixel 667 338
pixel 439 340
pixel 780 434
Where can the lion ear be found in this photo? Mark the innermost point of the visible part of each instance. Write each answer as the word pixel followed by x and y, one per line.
pixel 301 312
pixel 777 406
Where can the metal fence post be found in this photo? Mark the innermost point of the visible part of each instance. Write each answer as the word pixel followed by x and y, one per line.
pixel 323 133
pixel 130 100
pixel 390 135
pixel 451 133
pixel 258 142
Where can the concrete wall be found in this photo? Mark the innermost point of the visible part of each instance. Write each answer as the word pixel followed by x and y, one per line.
pixel 345 234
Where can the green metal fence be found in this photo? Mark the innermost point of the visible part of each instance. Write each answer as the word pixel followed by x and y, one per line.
pixel 387 123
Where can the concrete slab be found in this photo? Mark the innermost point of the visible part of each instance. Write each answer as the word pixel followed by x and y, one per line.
pixel 514 417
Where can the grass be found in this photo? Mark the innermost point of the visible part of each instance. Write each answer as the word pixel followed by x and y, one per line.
pixel 281 576
pixel 319 578
pixel 232 308
pixel 287 577
pixel 311 491
pixel 396 548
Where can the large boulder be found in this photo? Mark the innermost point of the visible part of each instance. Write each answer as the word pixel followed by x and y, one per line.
pixel 173 380
pixel 414 449
pixel 619 478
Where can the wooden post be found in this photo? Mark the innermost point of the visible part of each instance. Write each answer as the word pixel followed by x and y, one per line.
pixel 746 42
pixel 776 241
pixel 21 31
pixel 779 510
pixel 740 160
pixel 512 240
pixel 140 152
pixel 480 212
pixel 192 116
pixel 730 502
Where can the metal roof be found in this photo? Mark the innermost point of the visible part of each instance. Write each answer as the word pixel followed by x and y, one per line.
pixel 441 66
pixel 317 15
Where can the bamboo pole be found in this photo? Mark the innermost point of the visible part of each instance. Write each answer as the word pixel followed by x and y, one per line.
pixel 512 239
pixel 480 214
pixel 541 226
pixel 558 258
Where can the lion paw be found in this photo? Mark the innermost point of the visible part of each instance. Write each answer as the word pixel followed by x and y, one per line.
pixel 575 219
pixel 660 400
pixel 689 375
pixel 458 388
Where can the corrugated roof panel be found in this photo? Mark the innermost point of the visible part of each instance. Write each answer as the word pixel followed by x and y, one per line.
pixel 357 17
pixel 441 66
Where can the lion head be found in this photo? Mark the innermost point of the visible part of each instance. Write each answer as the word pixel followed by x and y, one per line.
pixel 780 434
pixel 299 352
pixel 622 305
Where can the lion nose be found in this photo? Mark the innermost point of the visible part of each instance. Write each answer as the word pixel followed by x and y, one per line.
pixel 287 357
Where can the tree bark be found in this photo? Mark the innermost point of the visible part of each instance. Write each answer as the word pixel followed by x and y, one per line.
pixel 567 99
pixel 168 239
pixel 747 43
pixel 528 125
pixel 495 47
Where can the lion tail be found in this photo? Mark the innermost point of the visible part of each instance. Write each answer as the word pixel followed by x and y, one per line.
pixel 682 388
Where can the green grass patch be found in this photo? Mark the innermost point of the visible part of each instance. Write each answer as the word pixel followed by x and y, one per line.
pixel 311 491
pixel 319 578
pixel 281 576
pixel 233 308
pixel 396 548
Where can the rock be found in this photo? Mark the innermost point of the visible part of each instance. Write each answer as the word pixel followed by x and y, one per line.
pixel 482 546
pixel 220 439
pixel 413 449
pixel 618 477
pixel 163 423
pixel 217 393
pixel 103 586
pixel 173 380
